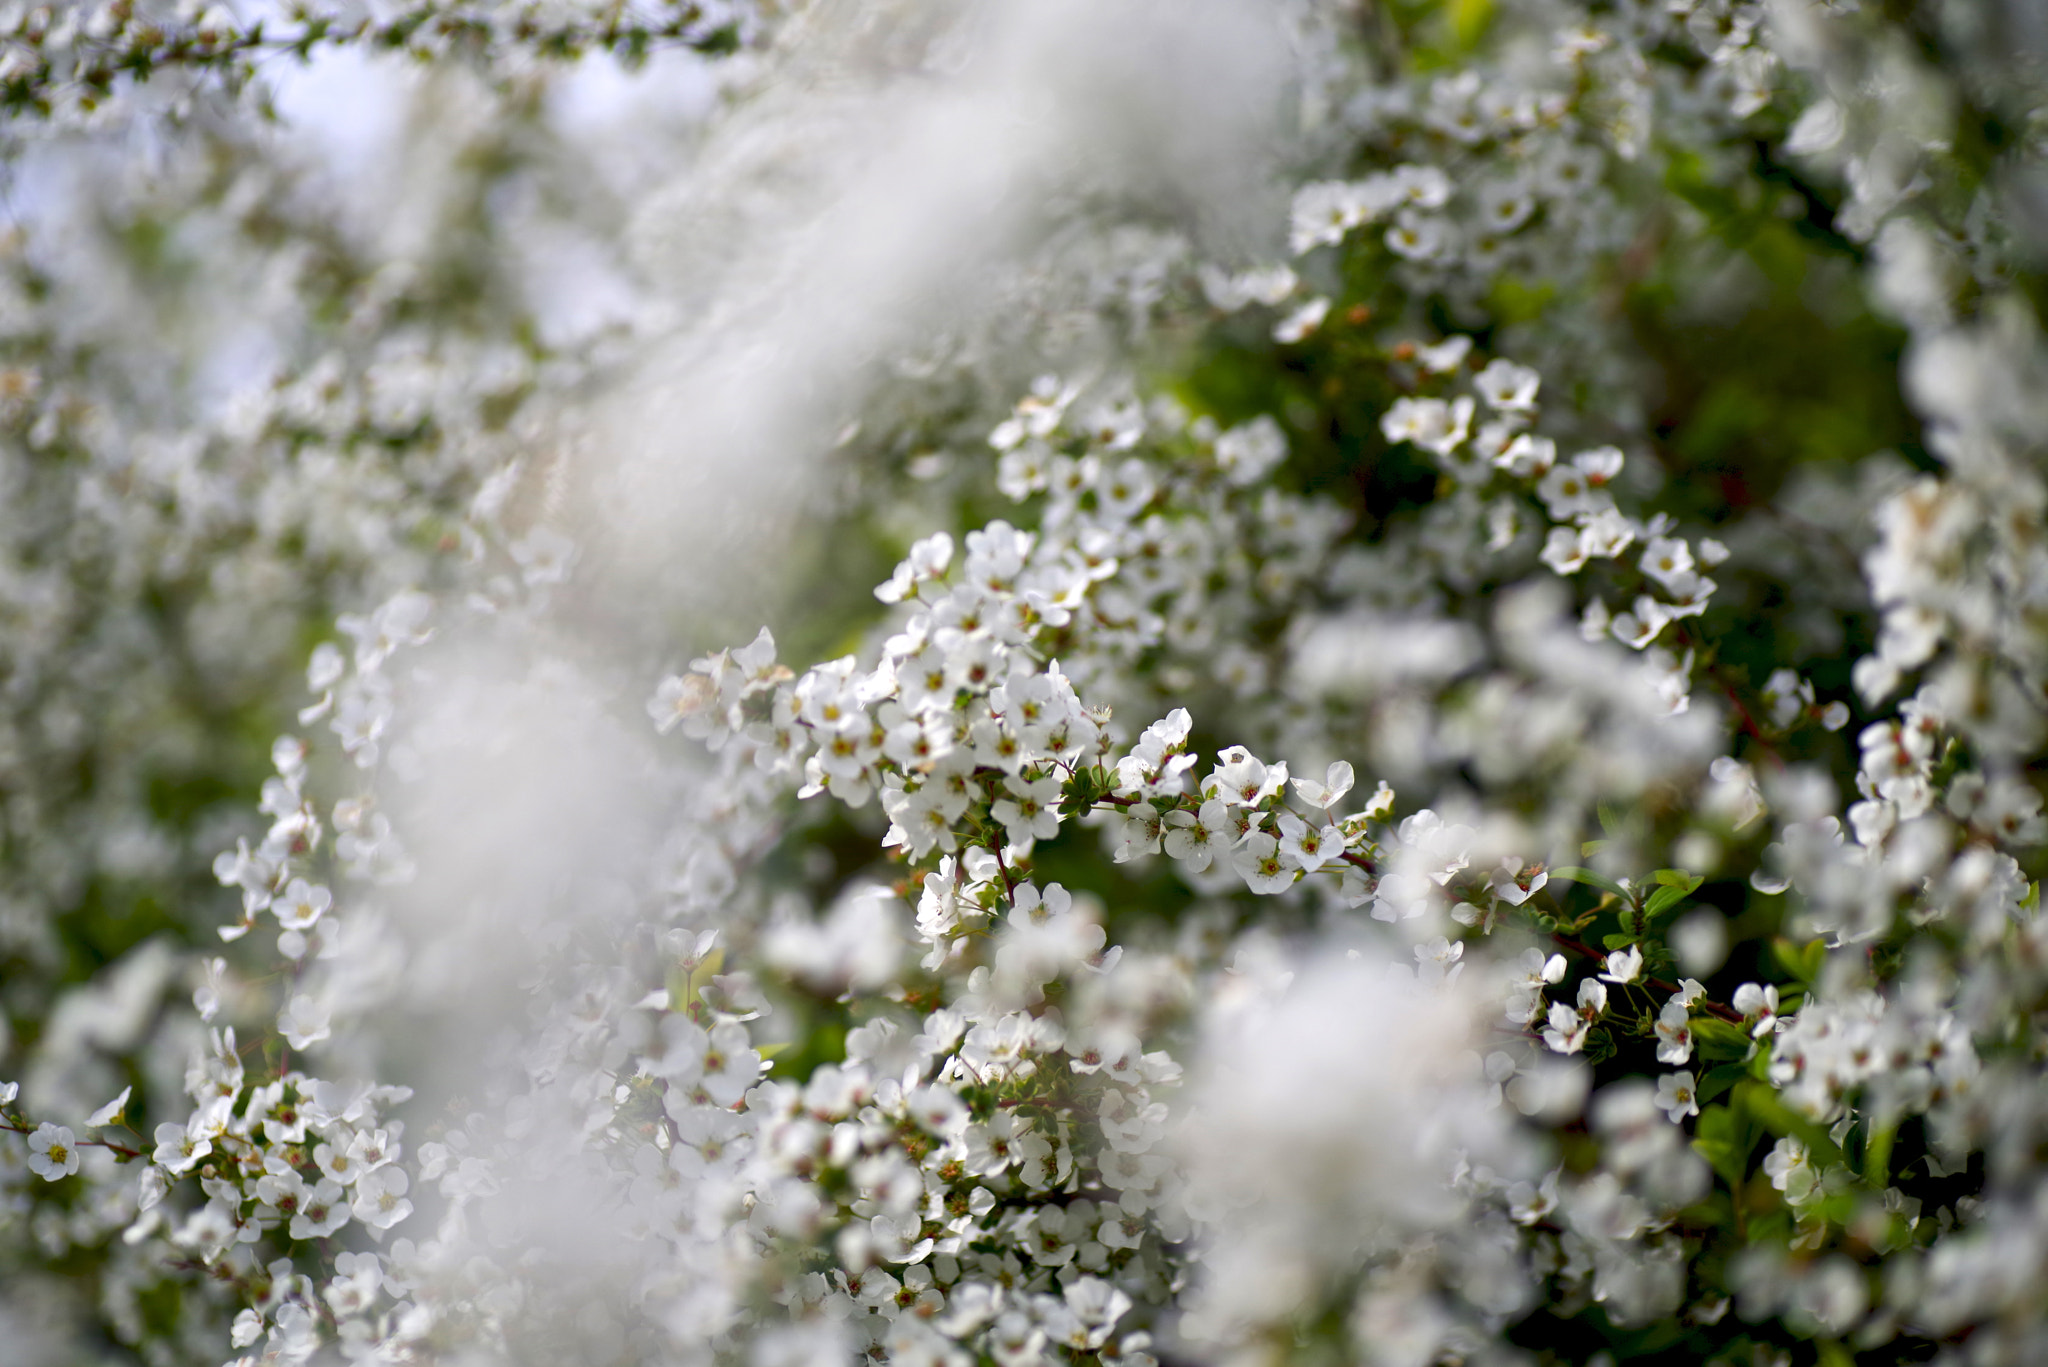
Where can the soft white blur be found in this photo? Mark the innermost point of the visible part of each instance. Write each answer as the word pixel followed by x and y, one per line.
pixel 884 168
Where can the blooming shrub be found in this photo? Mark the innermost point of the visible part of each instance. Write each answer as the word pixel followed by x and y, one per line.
pixel 1449 776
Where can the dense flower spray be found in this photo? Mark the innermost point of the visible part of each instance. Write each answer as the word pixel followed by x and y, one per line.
pixel 1424 786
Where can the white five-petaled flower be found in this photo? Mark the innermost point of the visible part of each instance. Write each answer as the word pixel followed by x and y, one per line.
pixel 1242 779
pixel 1259 863
pixel 1309 846
pixel 1674 1032
pixel 52 1152
pixel 178 1150
pixel 380 1197
pixel 1031 812
pixel 1677 1096
pixel 1140 833
pixel 1566 1031
pixel 301 905
pixel 1195 838
pixel 1508 387
pixel 1624 965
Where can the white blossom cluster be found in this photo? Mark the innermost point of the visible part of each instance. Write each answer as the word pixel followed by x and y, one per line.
pixel 1036 982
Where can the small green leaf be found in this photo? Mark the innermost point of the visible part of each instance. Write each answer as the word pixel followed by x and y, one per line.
pixel 1801 961
pixel 1760 1099
pixel 1721 1157
pixel 1719 1080
pixel 1618 941
pixel 1877 1157
pixel 1610 819
pixel 1717 1039
pixel 1591 880
pixel 1469 20
pixel 1724 1141
pixel 1665 898
pixel 1678 878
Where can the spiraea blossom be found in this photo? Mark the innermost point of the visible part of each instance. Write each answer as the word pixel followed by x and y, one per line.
pixel 1044 684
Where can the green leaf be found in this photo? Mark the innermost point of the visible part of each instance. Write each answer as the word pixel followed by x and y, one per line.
pixel 1618 941
pixel 1678 878
pixel 1469 20
pixel 1760 1099
pixel 1877 1157
pixel 1719 1080
pixel 1724 1139
pixel 1721 1157
pixel 1663 899
pixel 1800 961
pixel 1717 1039
pixel 1591 880
pixel 1610 819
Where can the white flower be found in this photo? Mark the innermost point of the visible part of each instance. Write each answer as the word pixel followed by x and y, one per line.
pixel 52 1152
pixel 1566 1031
pixel 1526 456
pixel 1790 1171
pixel 304 1021
pixel 1303 321
pixel 1624 965
pixel 1337 781
pixel 927 560
pixel 380 1197
pixel 1667 559
pixel 178 1150
pixel 1758 1005
pixel 1515 883
pixel 301 905
pixel 1241 779
pixel 1139 833
pixel 1258 862
pixel 730 1064
pixel 323 1208
pixel 1674 1032
pixel 1525 992
pixel 1195 838
pixel 1309 847
pixel 1566 493
pixel 1642 624
pixel 109 1113
pixel 1676 1095
pixel 1508 387
pixel 1445 356
pixel 1432 424
pixel 1031 812
pixel 1382 804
